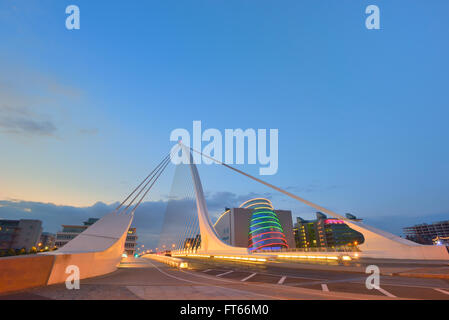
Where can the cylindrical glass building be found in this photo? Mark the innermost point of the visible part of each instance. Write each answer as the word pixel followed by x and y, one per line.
pixel 265 229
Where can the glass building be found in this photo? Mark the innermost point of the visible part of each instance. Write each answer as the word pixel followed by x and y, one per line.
pixel 324 232
pixel 265 230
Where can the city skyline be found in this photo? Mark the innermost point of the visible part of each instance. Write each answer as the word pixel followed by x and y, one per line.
pixel 149 227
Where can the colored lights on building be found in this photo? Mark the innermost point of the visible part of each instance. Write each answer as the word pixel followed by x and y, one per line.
pixel 265 231
pixel 333 221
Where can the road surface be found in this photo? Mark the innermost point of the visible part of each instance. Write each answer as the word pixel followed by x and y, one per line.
pixel 148 279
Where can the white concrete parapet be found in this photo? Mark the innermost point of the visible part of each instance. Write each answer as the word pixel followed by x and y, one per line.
pixel 171 261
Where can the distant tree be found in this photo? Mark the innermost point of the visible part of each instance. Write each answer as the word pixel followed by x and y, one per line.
pixel 33 250
pixel 22 251
pixel 11 252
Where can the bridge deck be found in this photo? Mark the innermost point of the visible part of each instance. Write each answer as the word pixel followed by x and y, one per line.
pixel 147 279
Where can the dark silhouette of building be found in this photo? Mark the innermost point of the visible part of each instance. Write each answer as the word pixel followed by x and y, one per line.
pixel 47 241
pixel 192 243
pixel 19 234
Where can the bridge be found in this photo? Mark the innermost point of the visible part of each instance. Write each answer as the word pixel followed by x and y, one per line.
pixel 212 263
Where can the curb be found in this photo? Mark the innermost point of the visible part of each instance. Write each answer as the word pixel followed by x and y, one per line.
pixel 422 275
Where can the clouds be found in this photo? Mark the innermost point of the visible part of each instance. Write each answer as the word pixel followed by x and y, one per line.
pixel 21 113
pixel 22 122
pixel 53 216
pixel 33 104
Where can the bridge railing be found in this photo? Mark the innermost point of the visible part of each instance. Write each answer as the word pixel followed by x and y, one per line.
pixel 317 249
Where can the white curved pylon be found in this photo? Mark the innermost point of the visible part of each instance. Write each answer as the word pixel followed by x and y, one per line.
pixel 210 242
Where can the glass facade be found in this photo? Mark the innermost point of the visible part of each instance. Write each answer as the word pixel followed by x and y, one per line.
pixel 265 230
pixel 324 232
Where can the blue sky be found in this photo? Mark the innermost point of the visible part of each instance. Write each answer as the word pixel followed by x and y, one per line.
pixel 362 114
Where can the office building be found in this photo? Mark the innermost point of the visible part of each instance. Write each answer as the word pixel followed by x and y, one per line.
pixel 47 241
pixel 325 232
pixel 19 234
pixel 435 233
pixel 131 242
pixel 70 232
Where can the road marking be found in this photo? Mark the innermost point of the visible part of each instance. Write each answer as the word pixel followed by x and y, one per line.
pixel 328 281
pixel 324 287
pixel 216 286
pixel 296 277
pixel 225 273
pixel 442 291
pixel 335 295
pixel 249 277
pixel 207 270
pixel 385 292
pixel 281 281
